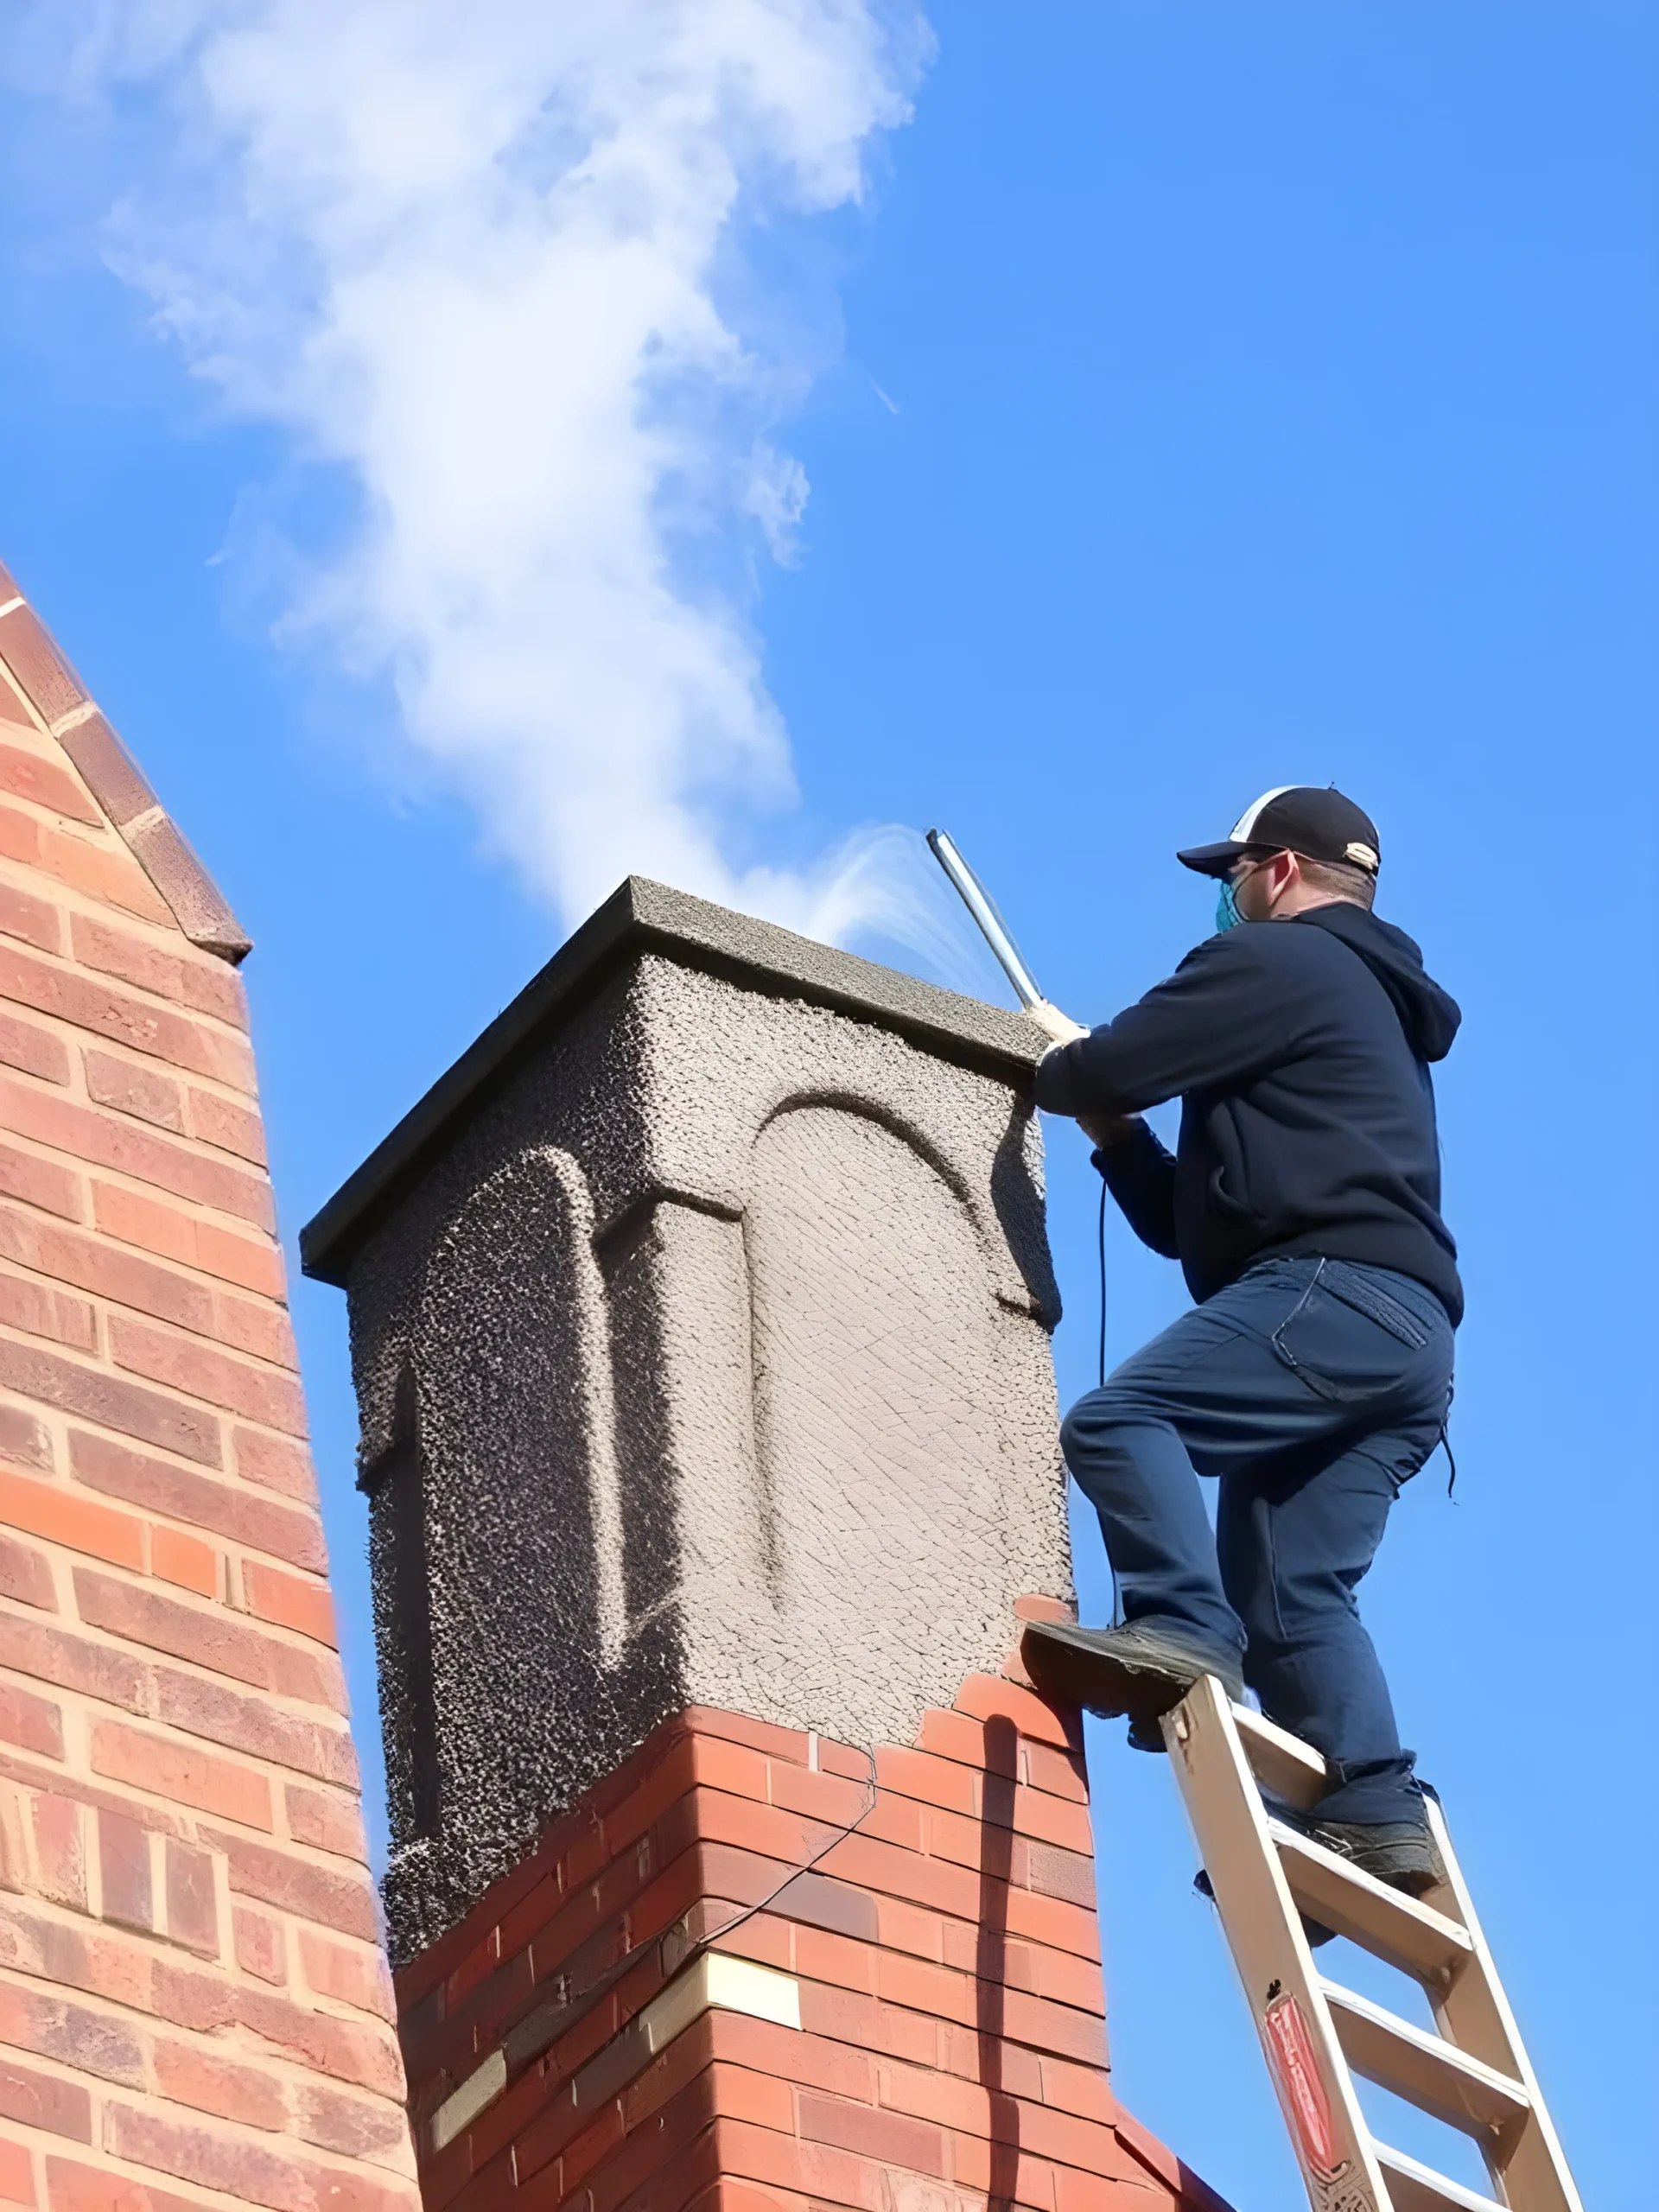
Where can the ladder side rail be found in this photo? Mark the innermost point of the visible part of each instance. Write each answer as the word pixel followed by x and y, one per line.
pixel 1264 1933
pixel 1529 2166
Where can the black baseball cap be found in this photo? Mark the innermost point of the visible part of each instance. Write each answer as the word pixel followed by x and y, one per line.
pixel 1321 825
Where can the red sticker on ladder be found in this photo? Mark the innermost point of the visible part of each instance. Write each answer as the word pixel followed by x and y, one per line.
pixel 1296 2071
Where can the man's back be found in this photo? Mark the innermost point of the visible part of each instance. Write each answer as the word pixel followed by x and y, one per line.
pixel 1300 1049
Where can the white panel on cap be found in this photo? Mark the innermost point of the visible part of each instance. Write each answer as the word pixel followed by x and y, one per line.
pixel 1240 830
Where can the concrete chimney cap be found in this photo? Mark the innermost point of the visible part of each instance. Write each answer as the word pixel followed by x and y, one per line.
pixel 641 917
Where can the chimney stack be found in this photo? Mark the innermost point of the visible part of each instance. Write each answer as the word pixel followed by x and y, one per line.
pixel 699 1321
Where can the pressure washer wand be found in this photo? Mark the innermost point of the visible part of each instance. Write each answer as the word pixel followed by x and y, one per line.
pixel 982 907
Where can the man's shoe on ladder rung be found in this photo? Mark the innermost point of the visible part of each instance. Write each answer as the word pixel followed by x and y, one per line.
pixel 1264 1874
pixel 1137 1669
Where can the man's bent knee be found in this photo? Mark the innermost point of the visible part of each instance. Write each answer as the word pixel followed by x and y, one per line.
pixel 1093 1419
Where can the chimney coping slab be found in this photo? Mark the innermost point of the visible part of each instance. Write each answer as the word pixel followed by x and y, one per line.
pixel 642 917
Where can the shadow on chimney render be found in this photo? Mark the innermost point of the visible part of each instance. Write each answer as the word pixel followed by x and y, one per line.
pixel 700 1323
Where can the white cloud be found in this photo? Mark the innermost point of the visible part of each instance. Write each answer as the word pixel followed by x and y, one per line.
pixel 485 256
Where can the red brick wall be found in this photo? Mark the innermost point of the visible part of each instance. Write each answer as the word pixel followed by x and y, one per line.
pixel 951 2044
pixel 193 2008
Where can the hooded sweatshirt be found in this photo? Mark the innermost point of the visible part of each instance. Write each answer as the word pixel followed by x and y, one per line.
pixel 1300 1052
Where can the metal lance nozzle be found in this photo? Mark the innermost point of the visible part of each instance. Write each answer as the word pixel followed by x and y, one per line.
pixel 982 907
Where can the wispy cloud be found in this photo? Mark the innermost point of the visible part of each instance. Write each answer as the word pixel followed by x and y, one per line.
pixel 487 259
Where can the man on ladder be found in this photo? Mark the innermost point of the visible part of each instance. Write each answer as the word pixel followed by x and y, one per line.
pixel 1313 1375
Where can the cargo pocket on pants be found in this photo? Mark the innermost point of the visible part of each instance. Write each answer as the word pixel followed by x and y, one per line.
pixel 1347 1338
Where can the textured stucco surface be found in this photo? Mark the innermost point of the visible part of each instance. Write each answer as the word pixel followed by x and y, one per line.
pixel 715 1346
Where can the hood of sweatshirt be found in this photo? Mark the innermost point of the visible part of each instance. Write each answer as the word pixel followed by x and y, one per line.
pixel 1429 1016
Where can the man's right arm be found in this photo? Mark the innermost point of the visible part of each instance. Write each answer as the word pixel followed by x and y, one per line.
pixel 1223 1014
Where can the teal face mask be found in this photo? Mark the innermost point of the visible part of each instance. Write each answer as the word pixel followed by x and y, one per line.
pixel 1227 914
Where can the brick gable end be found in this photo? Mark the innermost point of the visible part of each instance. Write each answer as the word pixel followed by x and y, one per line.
pixel 194 2009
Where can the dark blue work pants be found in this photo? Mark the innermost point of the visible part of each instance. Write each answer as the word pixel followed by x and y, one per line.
pixel 1313 1389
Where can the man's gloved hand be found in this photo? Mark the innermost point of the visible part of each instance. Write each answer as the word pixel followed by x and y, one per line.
pixel 1052 1023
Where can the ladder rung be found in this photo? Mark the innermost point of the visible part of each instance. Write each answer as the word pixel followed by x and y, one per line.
pixel 1281 1762
pixel 1391 1925
pixel 1424 2068
pixel 1413 2187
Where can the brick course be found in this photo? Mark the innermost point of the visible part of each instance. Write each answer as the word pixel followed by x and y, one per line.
pixel 192 1993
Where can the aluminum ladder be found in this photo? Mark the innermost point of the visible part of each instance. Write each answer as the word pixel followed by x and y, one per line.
pixel 1473 2074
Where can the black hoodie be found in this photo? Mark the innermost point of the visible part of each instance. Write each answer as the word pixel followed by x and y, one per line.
pixel 1300 1050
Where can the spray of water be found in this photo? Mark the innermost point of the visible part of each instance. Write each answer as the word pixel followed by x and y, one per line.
pixel 484 261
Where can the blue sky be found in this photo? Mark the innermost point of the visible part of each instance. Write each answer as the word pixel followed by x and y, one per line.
pixel 1205 398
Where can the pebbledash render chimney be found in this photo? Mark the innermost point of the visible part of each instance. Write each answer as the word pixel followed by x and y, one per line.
pixel 700 1320
pixel 194 2008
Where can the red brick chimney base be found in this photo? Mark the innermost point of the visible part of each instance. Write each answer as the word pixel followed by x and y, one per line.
pixel 659 2009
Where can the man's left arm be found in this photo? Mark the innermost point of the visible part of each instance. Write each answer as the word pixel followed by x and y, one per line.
pixel 1139 1174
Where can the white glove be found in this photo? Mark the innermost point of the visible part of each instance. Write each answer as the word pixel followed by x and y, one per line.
pixel 1054 1024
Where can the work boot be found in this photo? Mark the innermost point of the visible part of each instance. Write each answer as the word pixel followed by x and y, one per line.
pixel 1399 1853
pixel 1139 1670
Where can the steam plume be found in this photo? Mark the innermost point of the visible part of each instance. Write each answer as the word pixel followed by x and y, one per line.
pixel 487 258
